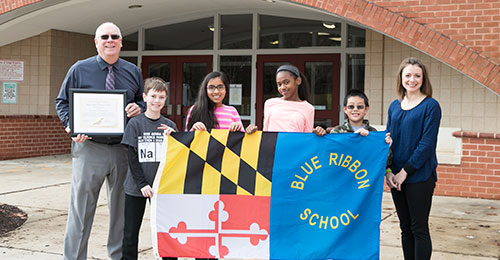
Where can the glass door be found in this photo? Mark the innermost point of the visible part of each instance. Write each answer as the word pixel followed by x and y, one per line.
pixel 323 73
pixel 183 75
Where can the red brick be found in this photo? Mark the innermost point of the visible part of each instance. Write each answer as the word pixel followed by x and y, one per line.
pixel 474 37
pixel 478 178
pixel 466 7
pixel 486 160
pixel 493 179
pixel 462 177
pixel 478 189
pixel 450 20
pixel 452 193
pixel 493 141
pixel 491 11
pixel 465 164
pixel 468 194
pixel 454 170
pixel 486 148
pixel 445 187
pixel 477 153
pixel 494 166
pixel 483 6
pixel 476 141
pixel 469 146
pixel 485 171
pixel 442 175
pixel 483 18
pixel 466 19
pixel 478 165
pixel 493 190
pixel 469 159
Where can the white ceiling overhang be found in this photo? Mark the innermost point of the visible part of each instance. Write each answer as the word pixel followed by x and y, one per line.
pixel 83 16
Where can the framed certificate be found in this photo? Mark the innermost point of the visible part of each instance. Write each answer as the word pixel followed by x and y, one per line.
pixel 97 112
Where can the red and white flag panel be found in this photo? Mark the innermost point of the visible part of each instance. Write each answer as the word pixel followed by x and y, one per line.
pixel 213 226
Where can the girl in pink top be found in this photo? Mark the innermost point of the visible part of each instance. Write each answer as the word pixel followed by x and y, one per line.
pixel 208 112
pixel 291 112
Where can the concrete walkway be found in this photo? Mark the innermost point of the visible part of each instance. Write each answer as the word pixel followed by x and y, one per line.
pixel 461 229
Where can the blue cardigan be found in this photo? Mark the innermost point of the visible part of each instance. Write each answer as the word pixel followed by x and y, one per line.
pixel 414 134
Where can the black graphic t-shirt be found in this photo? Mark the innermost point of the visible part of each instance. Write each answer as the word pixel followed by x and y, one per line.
pixel 142 134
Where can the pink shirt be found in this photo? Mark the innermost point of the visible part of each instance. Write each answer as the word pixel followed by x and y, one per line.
pixel 288 116
pixel 225 115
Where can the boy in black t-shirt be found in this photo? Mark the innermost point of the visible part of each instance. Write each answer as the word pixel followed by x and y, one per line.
pixel 144 136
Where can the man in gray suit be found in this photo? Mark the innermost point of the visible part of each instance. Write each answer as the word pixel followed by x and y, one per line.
pixel 96 159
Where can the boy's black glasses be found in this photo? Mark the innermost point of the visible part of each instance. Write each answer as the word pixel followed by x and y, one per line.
pixel 113 36
pixel 359 107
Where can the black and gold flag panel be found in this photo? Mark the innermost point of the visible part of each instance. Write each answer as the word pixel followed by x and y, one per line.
pixel 219 162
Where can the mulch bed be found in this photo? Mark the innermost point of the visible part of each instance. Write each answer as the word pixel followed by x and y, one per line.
pixel 11 217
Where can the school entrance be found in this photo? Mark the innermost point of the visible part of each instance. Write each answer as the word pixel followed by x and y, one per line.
pixel 185 73
pixel 249 46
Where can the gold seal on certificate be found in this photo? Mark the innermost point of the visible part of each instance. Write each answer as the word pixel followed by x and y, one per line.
pixel 97 112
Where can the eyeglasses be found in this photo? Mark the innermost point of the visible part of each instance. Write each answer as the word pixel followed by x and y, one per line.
pixel 359 107
pixel 220 87
pixel 113 36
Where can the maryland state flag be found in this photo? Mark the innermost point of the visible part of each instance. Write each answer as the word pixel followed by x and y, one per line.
pixel 213 195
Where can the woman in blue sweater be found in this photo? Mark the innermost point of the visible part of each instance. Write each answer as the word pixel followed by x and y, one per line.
pixel 413 122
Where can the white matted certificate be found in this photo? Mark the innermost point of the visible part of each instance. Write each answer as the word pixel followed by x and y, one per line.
pixel 235 94
pixel 97 112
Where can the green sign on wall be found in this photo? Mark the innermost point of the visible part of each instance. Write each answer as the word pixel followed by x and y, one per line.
pixel 9 92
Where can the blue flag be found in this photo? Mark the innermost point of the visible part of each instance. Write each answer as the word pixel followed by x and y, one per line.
pixel 326 196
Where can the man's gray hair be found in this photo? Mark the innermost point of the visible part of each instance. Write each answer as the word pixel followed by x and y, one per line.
pixel 104 24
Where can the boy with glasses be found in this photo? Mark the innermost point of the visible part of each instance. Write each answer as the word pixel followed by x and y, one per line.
pixel 355 107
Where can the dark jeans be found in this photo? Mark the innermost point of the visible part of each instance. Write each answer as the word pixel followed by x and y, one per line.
pixel 413 205
pixel 134 212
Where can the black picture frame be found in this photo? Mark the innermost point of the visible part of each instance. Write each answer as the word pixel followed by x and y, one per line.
pixel 97 112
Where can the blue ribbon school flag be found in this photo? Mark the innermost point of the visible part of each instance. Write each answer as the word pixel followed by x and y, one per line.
pixel 269 195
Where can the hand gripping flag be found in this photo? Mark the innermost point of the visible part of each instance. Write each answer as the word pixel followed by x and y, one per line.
pixel 269 195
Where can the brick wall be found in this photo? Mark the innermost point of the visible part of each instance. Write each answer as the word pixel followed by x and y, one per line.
pixel 24 136
pixel 474 23
pixel 9 5
pixel 479 174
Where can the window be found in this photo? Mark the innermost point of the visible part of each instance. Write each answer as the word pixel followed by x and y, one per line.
pixel 320 82
pixel 282 32
pixel 356 71
pixel 236 31
pixel 355 36
pixel 191 35
pixel 130 59
pixel 239 72
pixel 130 42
